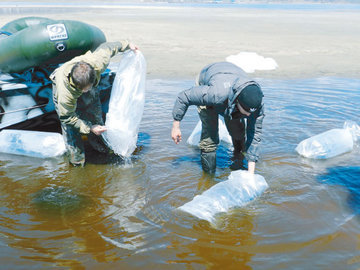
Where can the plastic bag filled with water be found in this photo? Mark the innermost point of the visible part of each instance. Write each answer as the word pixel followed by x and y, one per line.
pixel 330 143
pixel 240 188
pixel 32 143
pixel 126 104
pixel 224 135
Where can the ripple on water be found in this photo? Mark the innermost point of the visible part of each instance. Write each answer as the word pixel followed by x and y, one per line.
pixel 58 216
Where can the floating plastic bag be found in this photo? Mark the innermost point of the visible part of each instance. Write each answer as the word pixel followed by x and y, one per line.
pixel 224 135
pixel 126 105
pixel 354 130
pixel 32 143
pixel 240 188
pixel 330 143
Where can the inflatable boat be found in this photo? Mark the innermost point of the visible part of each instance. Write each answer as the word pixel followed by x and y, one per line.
pixel 35 41
pixel 31 48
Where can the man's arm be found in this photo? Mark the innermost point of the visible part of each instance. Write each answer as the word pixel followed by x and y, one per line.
pixel 176 132
pixel 192 96
pixel 100 58
pixel 203 95
pixel 254 136
pixel 66 107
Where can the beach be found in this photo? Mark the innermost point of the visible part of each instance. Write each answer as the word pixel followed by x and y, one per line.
pixel 178 41
pixel 113 214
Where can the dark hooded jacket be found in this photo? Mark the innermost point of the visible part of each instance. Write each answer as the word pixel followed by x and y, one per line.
pixel 220 85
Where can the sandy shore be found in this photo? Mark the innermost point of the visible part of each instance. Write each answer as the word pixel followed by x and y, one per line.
pixel 178 41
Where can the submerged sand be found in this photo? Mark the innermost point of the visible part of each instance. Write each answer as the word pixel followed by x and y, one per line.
pixel 178 41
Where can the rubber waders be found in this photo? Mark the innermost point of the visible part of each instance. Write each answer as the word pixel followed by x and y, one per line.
pixel 208 162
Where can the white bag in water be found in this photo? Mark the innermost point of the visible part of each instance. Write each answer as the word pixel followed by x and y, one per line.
pixel 330 143
pixel 240 188
pixel 126 105
pixel 224 135
pixel 32 143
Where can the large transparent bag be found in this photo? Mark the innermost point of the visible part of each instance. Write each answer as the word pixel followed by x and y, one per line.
pixel 126 105
pixel 32 143
pixel 330 143
pixel 224 135
pixel 240 188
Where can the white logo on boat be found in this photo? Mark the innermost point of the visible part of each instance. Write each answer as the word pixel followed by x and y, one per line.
pixel 57 31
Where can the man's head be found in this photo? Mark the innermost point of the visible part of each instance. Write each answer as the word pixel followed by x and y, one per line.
pixel 250 98
pixel 83 76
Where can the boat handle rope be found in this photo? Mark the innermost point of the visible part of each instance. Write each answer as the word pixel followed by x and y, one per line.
pixel 24 109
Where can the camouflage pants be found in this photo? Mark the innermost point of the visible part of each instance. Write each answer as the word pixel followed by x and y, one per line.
pixel 210 127
pixel 88 109
pixel 210 130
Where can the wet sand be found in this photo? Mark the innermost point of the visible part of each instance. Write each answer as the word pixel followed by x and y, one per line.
pixel 178 41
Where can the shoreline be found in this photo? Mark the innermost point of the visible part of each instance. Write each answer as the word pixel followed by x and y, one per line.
pixel 178 41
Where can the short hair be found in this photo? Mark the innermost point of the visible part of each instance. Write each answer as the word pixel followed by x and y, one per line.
pixel 82 74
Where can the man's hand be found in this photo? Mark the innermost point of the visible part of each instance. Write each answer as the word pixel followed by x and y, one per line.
pixel 251 167
pixel 176 132
pixel 133 47
pixel 97 129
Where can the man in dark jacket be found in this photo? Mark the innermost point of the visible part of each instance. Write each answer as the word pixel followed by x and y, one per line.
pixel 223 88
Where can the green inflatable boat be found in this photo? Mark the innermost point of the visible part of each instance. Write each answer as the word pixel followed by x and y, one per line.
pixel 30 49
pixel 36 42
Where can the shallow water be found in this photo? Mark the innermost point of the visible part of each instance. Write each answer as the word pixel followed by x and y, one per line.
pixel 116 216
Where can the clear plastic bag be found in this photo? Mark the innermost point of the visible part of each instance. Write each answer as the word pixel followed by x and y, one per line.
pixel 354 129
pixel 224 135
pixel 32 143
pixel 330 143
pixel 240 188
pixel 126 105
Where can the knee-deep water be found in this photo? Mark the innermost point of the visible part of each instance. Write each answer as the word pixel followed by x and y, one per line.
pixel 111 215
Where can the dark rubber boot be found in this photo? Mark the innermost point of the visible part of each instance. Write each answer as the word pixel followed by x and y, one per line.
pixel 97 143
pixel 238 164
pixel 208 162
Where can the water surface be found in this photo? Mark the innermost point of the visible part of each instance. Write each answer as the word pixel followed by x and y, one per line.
pixel 116 216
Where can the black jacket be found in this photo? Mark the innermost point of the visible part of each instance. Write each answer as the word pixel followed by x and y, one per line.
pixel 220 85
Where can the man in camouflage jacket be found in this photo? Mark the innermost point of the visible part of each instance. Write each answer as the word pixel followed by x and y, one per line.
pixel 77 100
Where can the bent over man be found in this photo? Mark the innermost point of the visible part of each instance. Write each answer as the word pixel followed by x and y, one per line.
pixel 224 89
pixel 77 101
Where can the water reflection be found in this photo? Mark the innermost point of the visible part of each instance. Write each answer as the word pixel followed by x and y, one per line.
pixel 347 177
pixel 230 248
pixel 42 213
